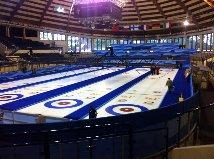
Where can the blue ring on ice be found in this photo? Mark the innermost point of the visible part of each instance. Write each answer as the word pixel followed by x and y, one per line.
pixel 111 111
pixel 50 103
pixel 16 96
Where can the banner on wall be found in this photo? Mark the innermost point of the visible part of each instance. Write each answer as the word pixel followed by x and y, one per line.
pixel 168 25
pixel 144 27
pixel 115 28
pixel 126 28
pixel 155 26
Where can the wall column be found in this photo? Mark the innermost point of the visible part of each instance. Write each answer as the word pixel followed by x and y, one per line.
pixel 213 39
pixel 201 42
pixel 185 40
pixel 24 34
pixel 66 45
pixel 92 43
pixel 7 31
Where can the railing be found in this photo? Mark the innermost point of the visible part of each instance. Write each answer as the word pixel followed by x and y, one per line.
pixel 12 117
pixel 3 48
pixel 13 67
pixel 35 51
pixel 131 136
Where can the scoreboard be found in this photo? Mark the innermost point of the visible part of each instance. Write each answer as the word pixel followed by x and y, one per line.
pixel 101 9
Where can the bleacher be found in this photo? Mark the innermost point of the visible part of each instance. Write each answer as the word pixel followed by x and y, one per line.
pixel 33 51
pixel 22 43
pixel 51 57
pixel 133 50
pixel 4 60
pixel 210 64
pixel 162 54
pixel 17 75
pixel 42 57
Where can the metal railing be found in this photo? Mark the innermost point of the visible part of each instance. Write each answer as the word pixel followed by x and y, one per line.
pixel 12 117
pixel 132 136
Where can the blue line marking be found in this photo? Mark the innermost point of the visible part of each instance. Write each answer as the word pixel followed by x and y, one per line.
pixel 25 102
pixel 15 76
pixel 82 112
pixel 50 80
pixel 182 86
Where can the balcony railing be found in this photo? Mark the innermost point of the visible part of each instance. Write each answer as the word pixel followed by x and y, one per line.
pixel 131 136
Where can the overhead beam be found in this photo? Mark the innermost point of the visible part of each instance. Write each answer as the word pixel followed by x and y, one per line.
pixel 18 6
pixel 210 2
pixel 185 8
pixel 137 10
pixel 45 11
pixel 69 16
pixel 155 2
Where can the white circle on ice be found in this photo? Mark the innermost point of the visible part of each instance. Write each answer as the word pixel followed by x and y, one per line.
pixel 126 109
pixel 63 103
pixel 7 97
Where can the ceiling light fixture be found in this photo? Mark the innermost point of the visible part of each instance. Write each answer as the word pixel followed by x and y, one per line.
pixel 60 9
pixel 186 23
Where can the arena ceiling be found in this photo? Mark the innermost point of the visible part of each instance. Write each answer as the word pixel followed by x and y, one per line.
pixel 43 12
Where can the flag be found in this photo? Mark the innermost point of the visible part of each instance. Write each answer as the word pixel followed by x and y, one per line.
pixel 144 27
pixel 168 25
pixel 156 26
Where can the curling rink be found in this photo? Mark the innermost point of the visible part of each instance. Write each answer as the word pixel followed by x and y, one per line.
pixel 112 91
pixel 145 95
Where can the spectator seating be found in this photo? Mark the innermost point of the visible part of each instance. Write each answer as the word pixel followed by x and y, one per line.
pixel 17 75
pixel 42 57
pixel 143 49
pixel 22 43
pixel 211 65
pixel 4 60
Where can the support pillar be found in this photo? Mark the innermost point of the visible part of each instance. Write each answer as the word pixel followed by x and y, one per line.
pixel 65 45
pixel 7 31
pixel 201 43
pixel 24 34
pixel 213 40
pixel 185 40
pixel 92 43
